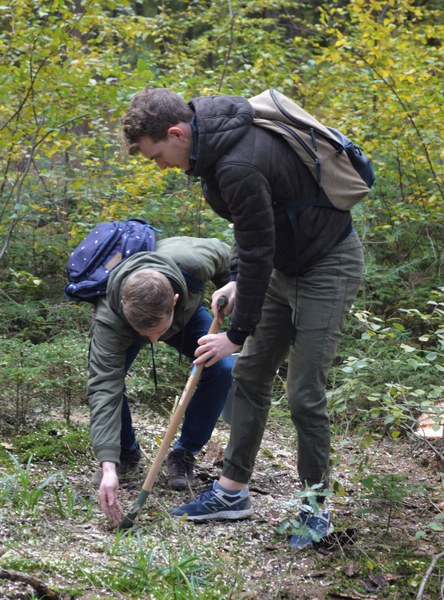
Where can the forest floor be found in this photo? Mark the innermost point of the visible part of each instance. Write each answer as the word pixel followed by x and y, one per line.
pixel 375 553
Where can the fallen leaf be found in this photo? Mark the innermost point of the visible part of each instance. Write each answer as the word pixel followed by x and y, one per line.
pixel 7 446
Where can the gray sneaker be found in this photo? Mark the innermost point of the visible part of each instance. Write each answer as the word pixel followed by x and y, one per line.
pixel 180 465
pixel 129 459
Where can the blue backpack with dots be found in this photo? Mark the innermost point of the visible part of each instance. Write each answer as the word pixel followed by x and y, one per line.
pixel 107 245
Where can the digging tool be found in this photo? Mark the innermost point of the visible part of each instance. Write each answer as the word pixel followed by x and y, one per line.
pixel 173 426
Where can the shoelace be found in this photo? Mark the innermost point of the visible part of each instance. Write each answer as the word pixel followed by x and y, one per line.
pixel 205 494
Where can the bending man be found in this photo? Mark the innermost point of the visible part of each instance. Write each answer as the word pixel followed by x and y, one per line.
pixel 154 296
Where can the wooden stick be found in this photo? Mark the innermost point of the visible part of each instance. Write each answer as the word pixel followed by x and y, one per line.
pixel 40 588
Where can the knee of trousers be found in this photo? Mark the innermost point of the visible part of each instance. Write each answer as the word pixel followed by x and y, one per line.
pixel 221 371
pixel 309 412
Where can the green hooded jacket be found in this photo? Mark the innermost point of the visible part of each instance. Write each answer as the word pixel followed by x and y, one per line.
pixel 203 260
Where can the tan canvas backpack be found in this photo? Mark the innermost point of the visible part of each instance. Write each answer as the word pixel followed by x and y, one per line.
pixel 340 167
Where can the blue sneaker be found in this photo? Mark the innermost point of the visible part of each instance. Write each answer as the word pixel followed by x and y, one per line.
pixel 217 503
pixel 313 528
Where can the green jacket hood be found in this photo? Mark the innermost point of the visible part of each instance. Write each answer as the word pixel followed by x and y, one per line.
pixel 148 260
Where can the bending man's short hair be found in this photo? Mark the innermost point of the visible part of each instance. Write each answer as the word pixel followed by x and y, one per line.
pixel 147 299
pixel 152 112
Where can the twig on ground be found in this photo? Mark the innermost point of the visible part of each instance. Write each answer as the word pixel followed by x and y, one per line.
pixel 428 443
pixel 144 453
pixel 428 574
pixel 41 589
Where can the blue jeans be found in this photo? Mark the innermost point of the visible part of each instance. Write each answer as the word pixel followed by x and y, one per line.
pixel 209 398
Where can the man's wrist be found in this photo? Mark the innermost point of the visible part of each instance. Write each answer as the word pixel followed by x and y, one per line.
pixel 109 467
pixel 237 337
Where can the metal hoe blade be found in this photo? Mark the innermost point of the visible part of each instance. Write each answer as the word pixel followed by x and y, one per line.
pixel 128 521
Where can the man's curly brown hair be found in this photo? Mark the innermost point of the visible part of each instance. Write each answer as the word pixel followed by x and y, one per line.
pixel 152 112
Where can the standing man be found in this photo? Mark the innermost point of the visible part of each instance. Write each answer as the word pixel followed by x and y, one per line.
pixel 296 272
pixel 154 296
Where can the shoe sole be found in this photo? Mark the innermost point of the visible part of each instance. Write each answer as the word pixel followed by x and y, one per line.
pixel 227 515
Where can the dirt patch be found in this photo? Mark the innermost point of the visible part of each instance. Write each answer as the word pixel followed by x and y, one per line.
pixel 357 561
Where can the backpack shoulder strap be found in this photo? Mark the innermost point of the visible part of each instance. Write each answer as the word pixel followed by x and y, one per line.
pixel 340 168
pixel 193 285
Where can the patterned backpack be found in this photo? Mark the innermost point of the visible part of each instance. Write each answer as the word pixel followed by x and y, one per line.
pixel 107 245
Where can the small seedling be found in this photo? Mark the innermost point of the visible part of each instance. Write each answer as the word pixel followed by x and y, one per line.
pixel 70 504
pixel 385 495
pixel 308 501
pixel 21 488
pixel 436 524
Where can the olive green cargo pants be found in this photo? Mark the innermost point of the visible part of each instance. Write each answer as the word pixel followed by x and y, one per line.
pixel 313 308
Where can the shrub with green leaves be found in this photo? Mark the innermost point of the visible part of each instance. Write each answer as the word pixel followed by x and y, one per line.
pixel 52 374
pixel 396 370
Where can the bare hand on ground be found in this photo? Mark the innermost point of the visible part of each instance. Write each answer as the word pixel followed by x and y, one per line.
pixel 108 494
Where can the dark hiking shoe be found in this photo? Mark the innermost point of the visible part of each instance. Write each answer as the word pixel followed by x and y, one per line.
pixel 129 459
pixel 180 464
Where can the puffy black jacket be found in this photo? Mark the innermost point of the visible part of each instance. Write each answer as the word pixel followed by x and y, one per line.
pixel 251 177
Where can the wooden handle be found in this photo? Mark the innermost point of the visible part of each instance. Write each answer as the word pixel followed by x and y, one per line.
pixel 181 407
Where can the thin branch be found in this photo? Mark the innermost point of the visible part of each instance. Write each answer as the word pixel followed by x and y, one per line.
pixel 27 93
pixel 391 87
pixel 34 145
pixel 41 589
pixel 428 574
pixel 424 439
pixel 9 297
pixel 230 46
